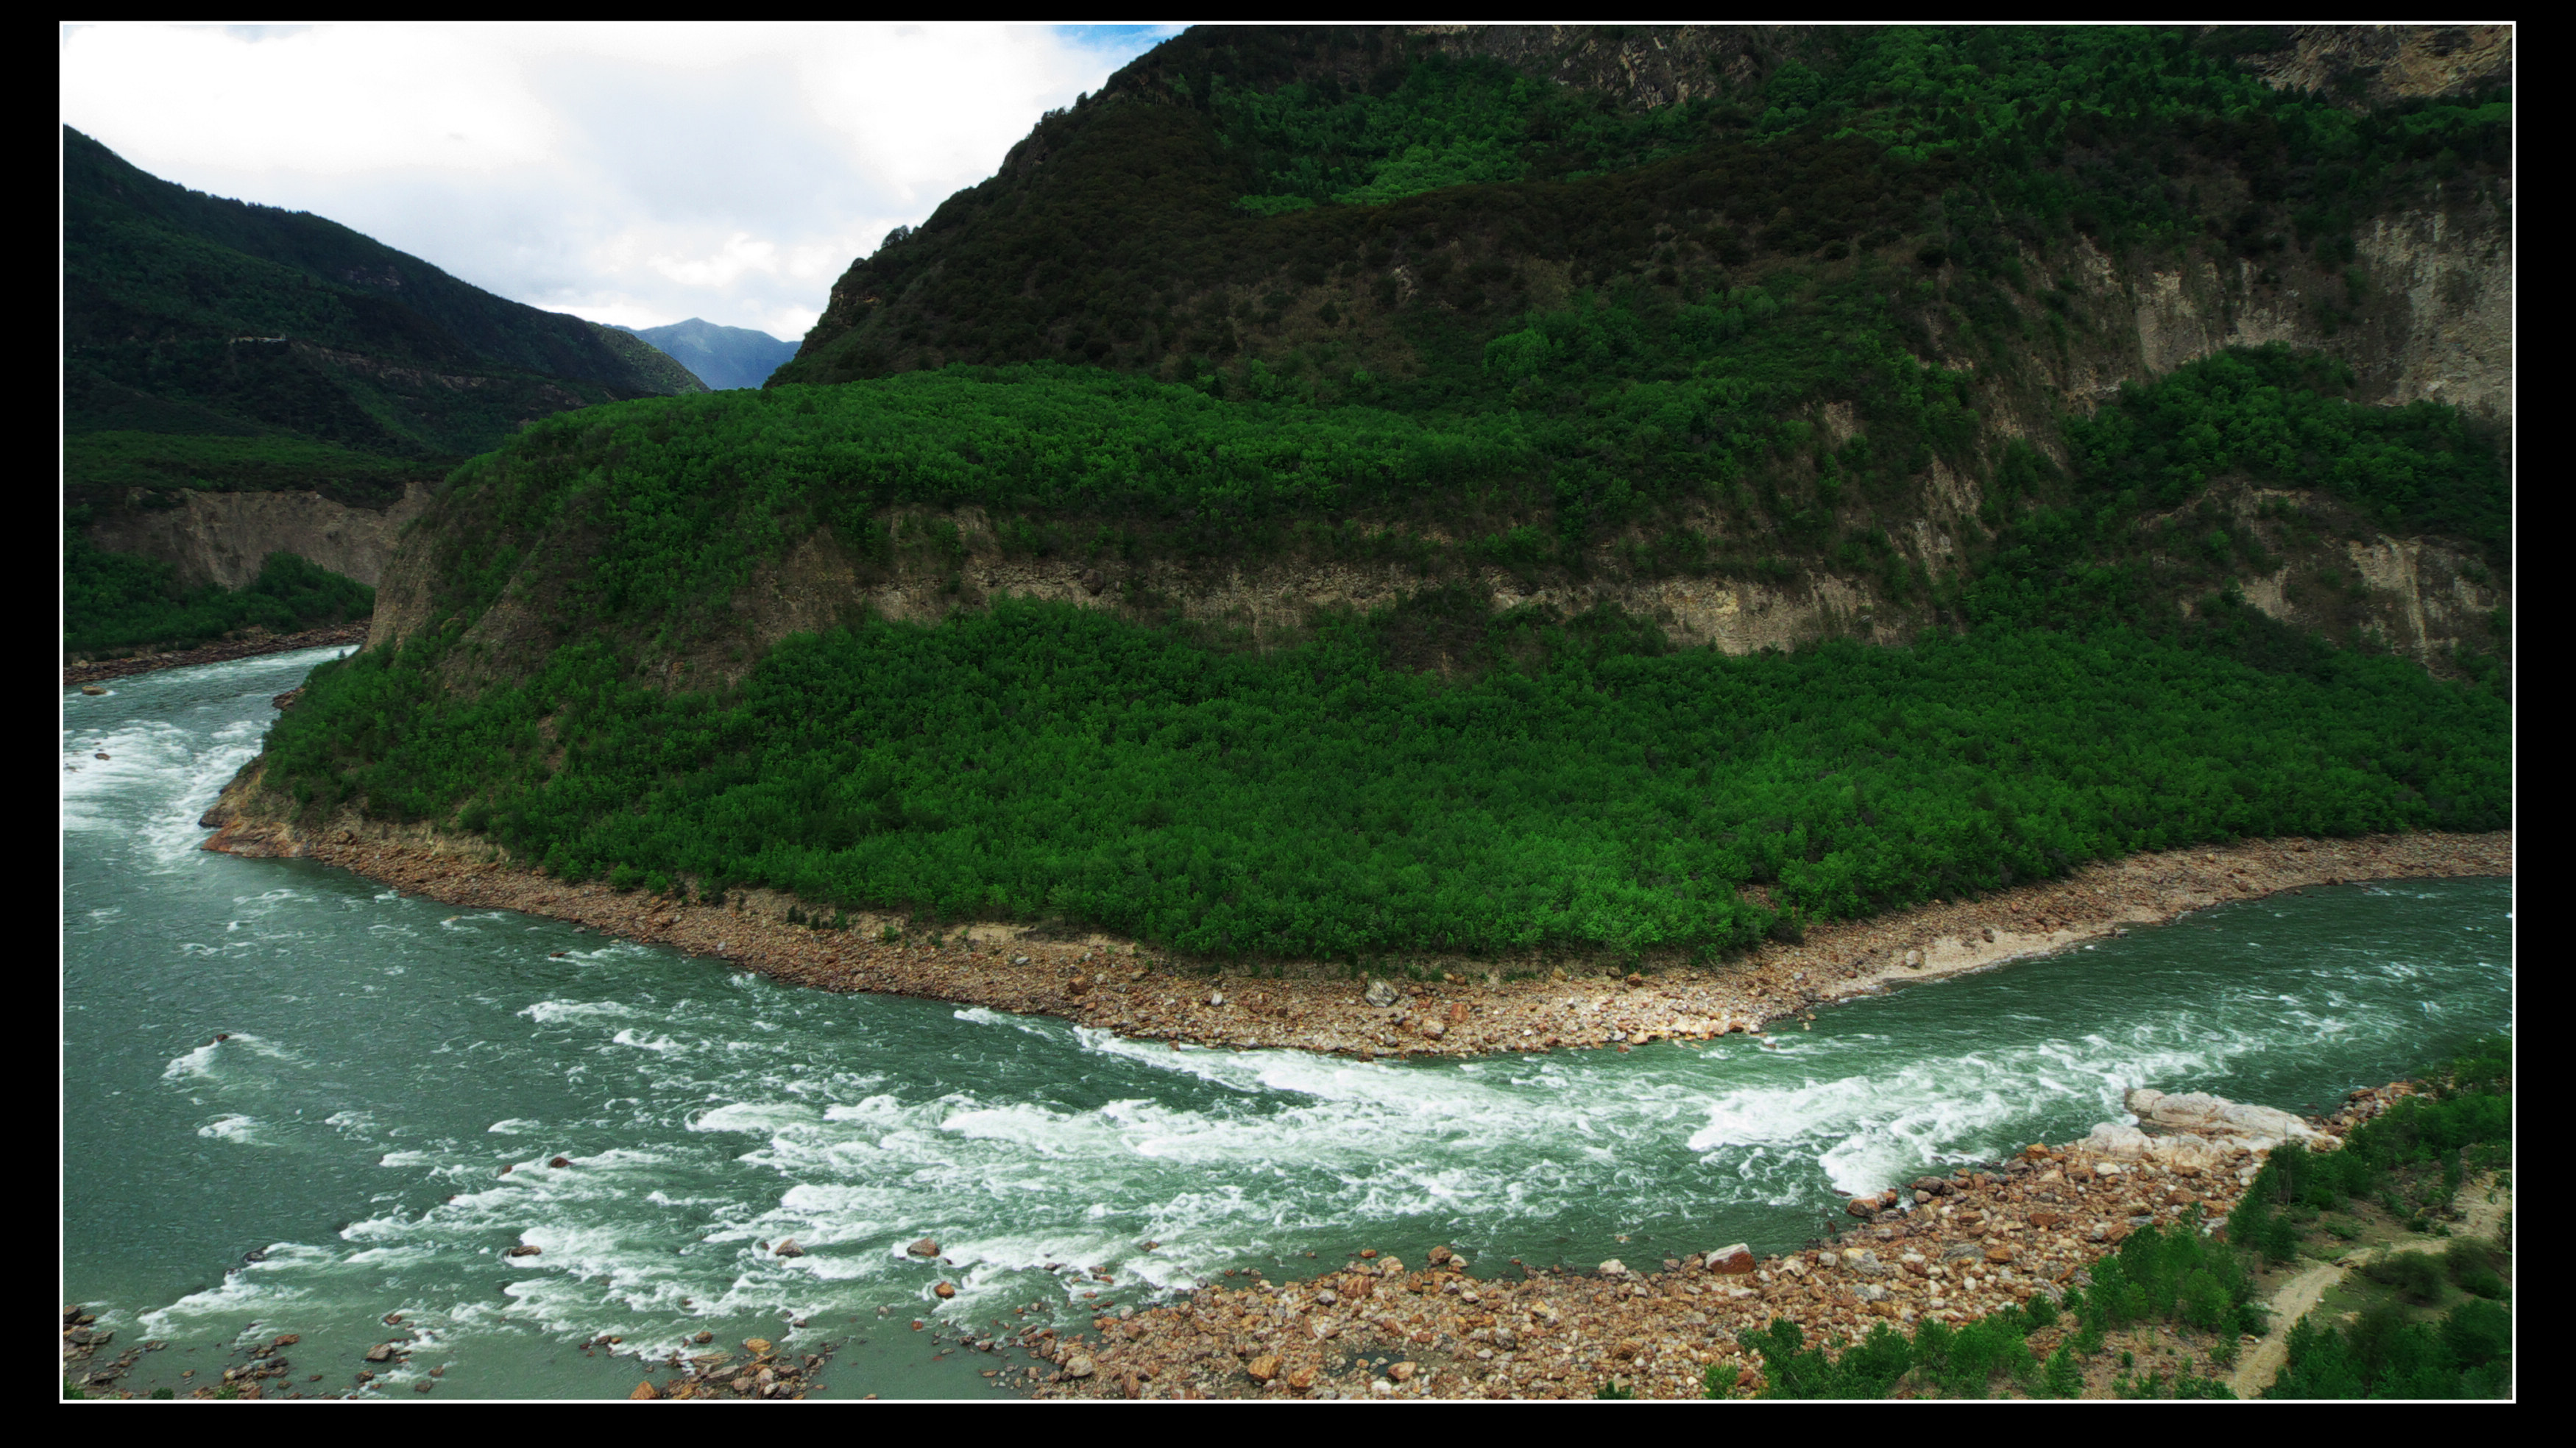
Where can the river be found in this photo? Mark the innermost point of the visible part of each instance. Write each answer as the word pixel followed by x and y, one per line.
pixel 341 1155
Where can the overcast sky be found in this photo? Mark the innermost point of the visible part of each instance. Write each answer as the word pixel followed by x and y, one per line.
pixel 632 174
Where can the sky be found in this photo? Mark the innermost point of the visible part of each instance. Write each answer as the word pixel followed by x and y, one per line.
pixel 630 174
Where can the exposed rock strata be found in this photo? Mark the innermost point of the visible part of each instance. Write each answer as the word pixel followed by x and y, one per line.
pixel 223 538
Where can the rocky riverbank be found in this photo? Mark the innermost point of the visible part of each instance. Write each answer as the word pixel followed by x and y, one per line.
pixel 1952 1248
pixel 1421 1004
pixel 83 671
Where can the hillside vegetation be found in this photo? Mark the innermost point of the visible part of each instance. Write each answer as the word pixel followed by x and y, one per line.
pixel 1801 321
pixel 218 345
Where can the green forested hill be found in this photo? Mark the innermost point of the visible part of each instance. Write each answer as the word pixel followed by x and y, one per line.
pixel 218 345
pixel 1509 316
pixel 187 313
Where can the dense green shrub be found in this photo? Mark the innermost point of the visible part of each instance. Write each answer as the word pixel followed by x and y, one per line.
pixel 1585 789
pixel 2469 1108
pixel 2386 1355
pixel 114 601
pixel 2177 1275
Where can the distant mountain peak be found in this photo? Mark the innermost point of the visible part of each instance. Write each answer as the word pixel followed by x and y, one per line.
pixel 720 356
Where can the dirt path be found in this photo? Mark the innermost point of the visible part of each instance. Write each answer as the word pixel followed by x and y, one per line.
pixel 2486 1206
pixel 2293 1300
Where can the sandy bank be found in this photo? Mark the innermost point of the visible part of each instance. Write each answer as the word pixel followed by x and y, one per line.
pixel 1441 1005
pixel 90 673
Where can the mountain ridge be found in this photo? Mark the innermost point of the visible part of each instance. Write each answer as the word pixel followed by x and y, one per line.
pixel 721 357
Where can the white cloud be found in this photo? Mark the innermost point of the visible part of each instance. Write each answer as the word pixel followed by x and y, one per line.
pixel 630 173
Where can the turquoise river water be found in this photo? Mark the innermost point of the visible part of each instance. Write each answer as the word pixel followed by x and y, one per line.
pixel 340 1156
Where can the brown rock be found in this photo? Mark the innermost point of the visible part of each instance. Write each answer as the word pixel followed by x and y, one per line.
pixel 523 1250
pixel 944 1291
pixel 2046 1219
pixel 644 1393
pixel 789 1248
pixel 1401 1372
pixel 1999 1254
pixel 1732 1261
pixel 1263 1368
pixel 923 1248
pixel 759 1346
pixel 382 1352
pixel 560 1161
pixel 1302 1379
pixel 1862 1206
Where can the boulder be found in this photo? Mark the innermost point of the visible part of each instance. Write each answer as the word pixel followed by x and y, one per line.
pixel 1079 1366
pixel 1614 1268
pixel 1862 1206
pixel 1732 1260
pixel 644 1393
pixel 2205 1115
pixel 944 1291
pixel 1263 1368
pixel 923 1248
pixel 1379 994
pixel 789 1248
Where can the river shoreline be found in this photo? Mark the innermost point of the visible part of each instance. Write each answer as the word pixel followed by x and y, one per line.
pixel 216 653
pixel 1961 1245
pixel 1427 1005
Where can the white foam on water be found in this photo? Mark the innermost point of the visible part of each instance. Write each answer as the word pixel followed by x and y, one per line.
pixel 249 1292
pixel 547 1013
pixel 753 1116
pixel 514 1126
pixel 199 1062
pixel 644 1041
pixel 238 1129
pixel 1027 1025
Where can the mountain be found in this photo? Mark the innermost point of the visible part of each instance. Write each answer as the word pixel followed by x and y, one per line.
pixel 1350 495
pixel 720 357
pixel 215 347
pixel 190 314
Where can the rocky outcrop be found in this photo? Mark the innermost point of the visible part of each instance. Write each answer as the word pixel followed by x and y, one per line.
pixel 223 538
pixel 2196 1130
pixel 2375 65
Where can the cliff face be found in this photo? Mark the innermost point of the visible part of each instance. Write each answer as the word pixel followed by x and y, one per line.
pixel 222 538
